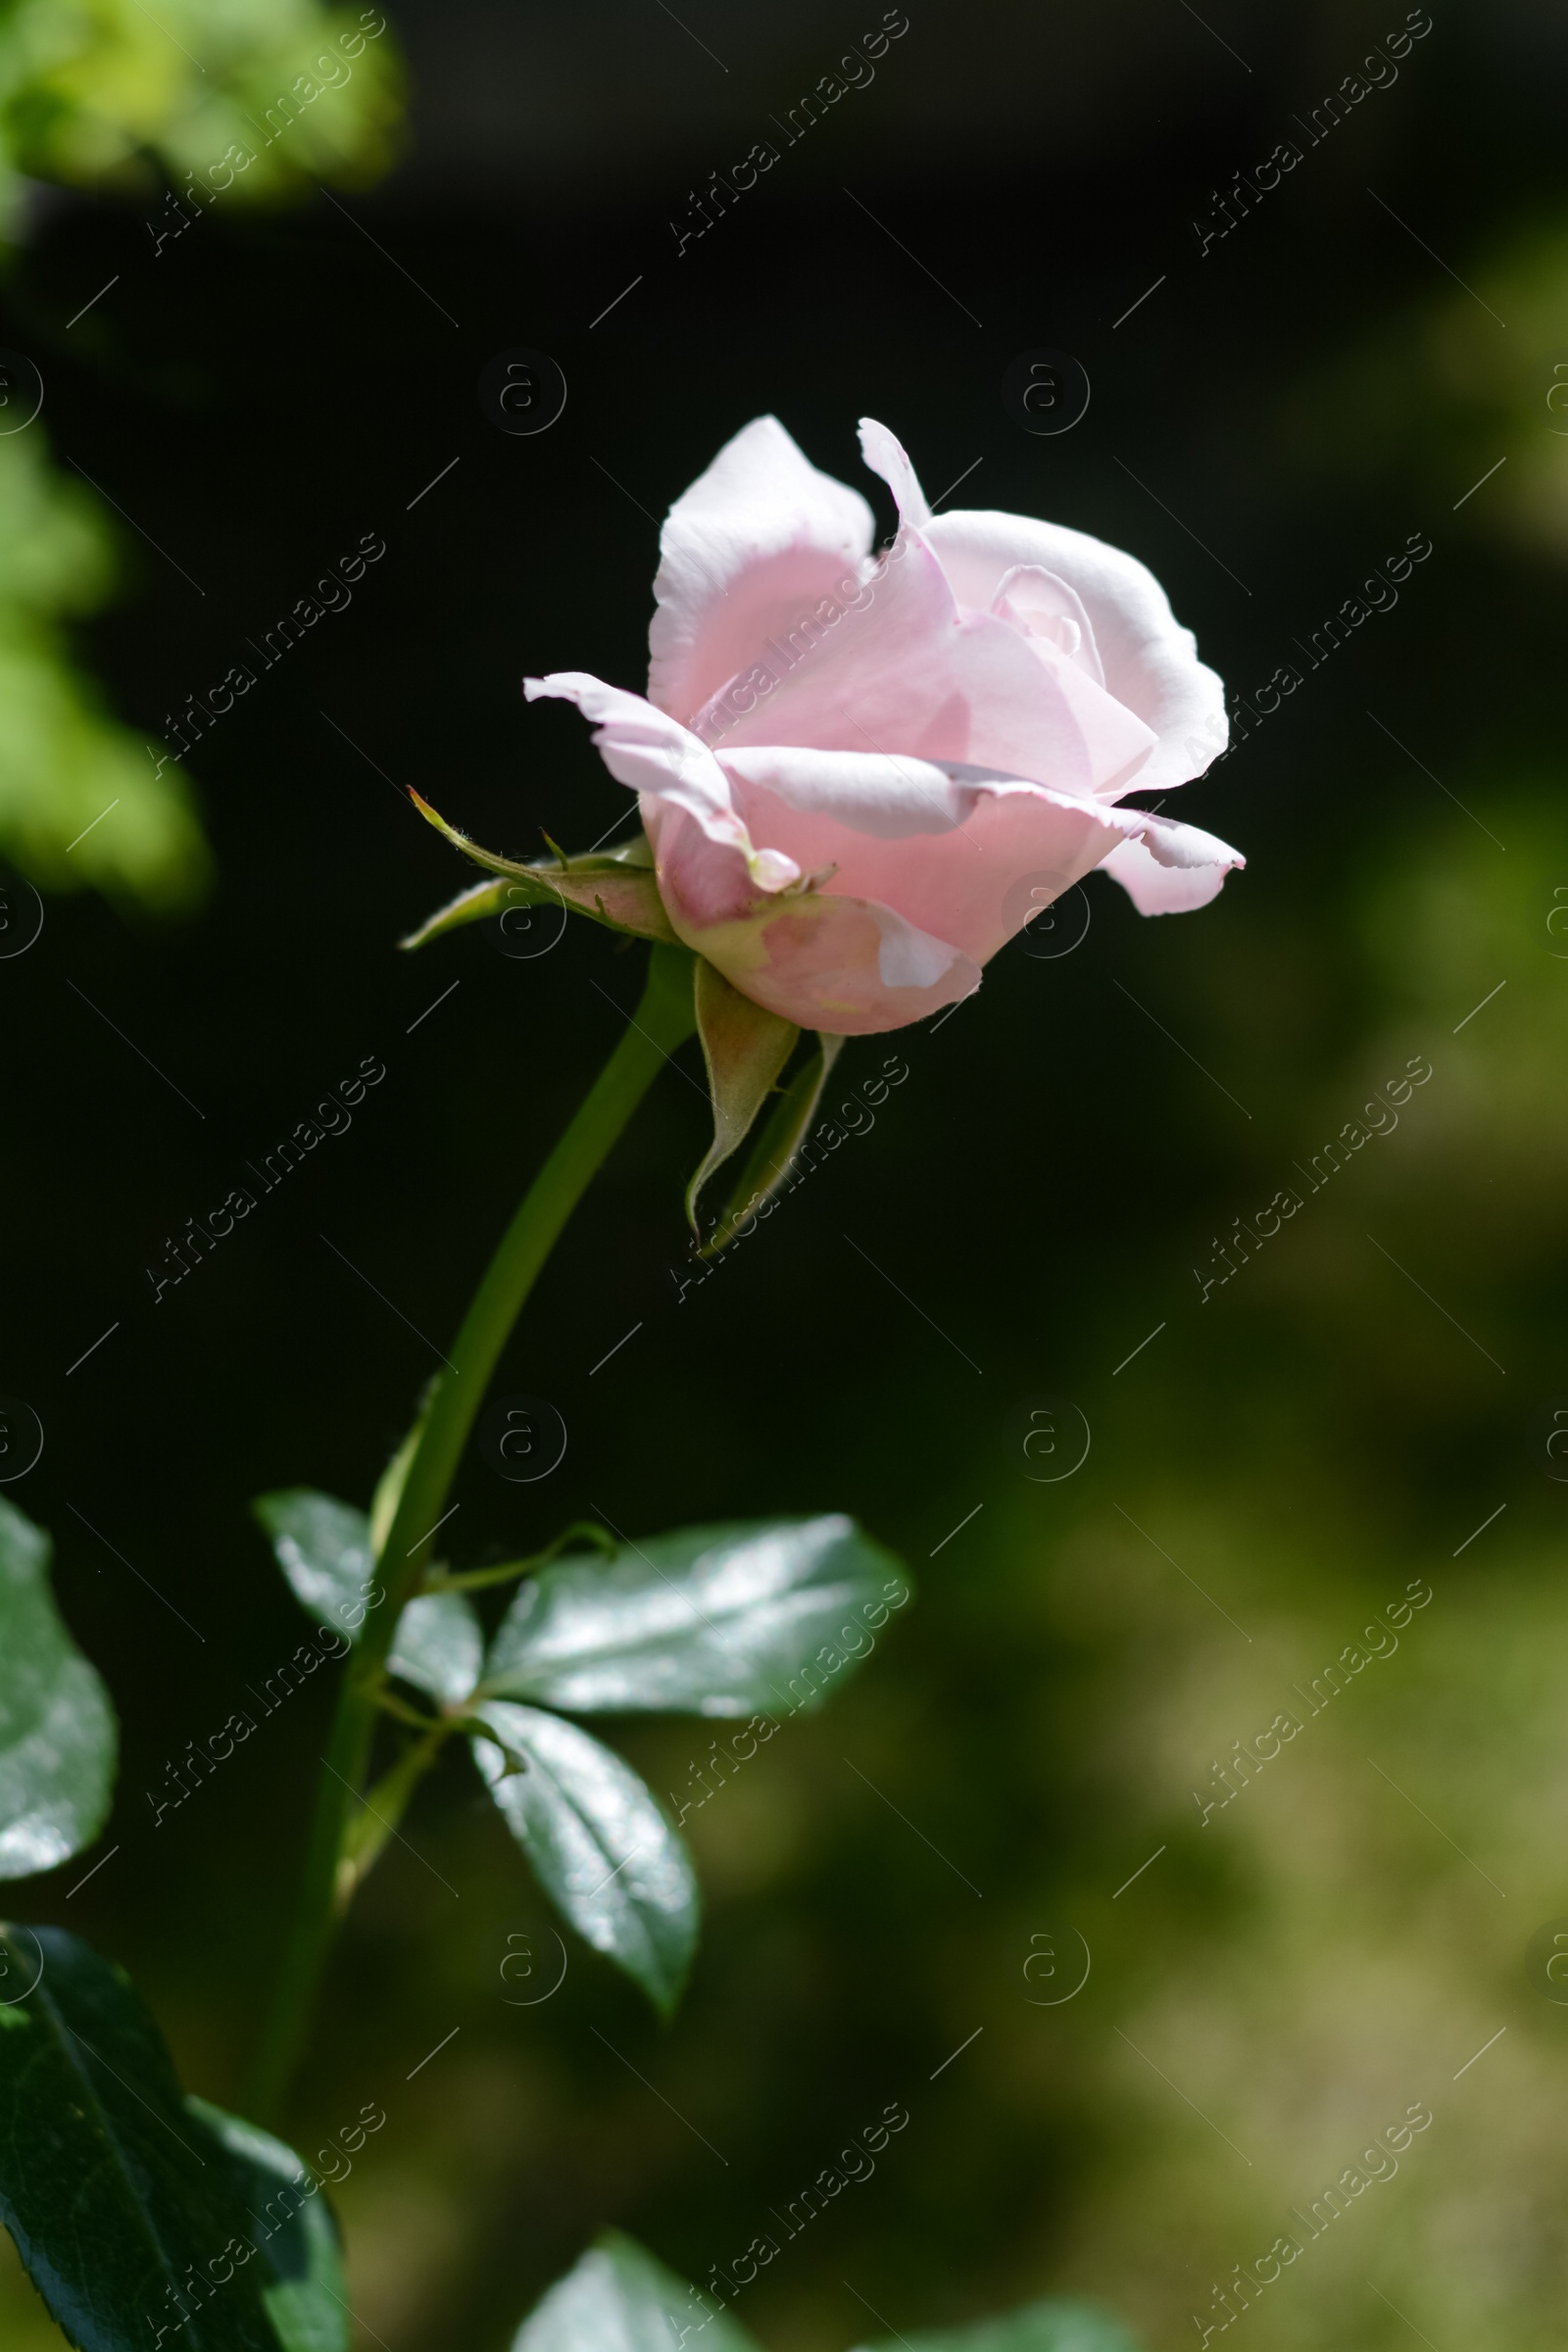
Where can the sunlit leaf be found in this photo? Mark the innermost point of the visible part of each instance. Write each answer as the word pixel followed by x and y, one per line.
pixel 1037 2327
pixel 439 1645
pixel 764 1615
pixel 324 1548
pixel 57 1729
pixel 620 2300
pixel 599 1845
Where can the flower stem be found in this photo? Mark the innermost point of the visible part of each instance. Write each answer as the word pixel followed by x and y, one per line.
pixel 662 1020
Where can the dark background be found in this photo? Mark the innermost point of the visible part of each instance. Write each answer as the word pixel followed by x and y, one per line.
pixel 1301 397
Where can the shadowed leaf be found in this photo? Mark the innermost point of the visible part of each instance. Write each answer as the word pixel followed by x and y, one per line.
pixel 298 2261
pixel 114 2193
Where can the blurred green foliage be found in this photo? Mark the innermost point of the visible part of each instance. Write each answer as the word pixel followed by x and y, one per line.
pixel 1284 1459
pixel 65 765
pixel 106 96
pixel 1440 388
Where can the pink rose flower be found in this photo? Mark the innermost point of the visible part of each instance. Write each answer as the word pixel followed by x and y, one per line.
pixel 860 777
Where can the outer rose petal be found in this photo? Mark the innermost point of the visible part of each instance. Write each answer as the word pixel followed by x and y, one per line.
pixel 1188 870
pixel 654 755
pixel 747 553
pixel 965 855
pixel 1150 661
pixel 886 456
pixel 848 965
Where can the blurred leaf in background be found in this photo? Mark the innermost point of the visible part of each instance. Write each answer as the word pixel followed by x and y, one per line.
pixel 106 96
pixel 242 102
pixel 1440 390
pixel 82 803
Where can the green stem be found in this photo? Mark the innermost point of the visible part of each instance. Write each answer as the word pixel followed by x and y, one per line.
pixel 662 1020
pixel 384 1808
pixel 475 1580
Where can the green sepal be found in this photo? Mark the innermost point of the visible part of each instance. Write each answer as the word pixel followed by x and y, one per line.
pixel 475 905
pixel 744 1049
pixel 618 886
pixel 620 2300
pixel 599 1845
pixel 778 1142
pixel 57 1740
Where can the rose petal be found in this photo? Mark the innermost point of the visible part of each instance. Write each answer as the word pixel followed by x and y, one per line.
pixel 849 966
pixel 656 756
pixel 1045 607
pixel 885 455
pixel 879 794
pixel 746 552
pixel 963 853
pixel 1150 661
pixel 906 672
pixel 1170 868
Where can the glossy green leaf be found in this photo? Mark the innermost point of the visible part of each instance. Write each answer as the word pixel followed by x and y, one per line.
pixel 439 1646
pixel 761 1616
pixel 57 1728
pixel 114 2193
pixel 599 1845
pixel 1054 2326
pixel 744 1049
pixel 324 1548
pixel 778 1142
pixel 620 2300
pixel 618 886
pixel 298 2258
